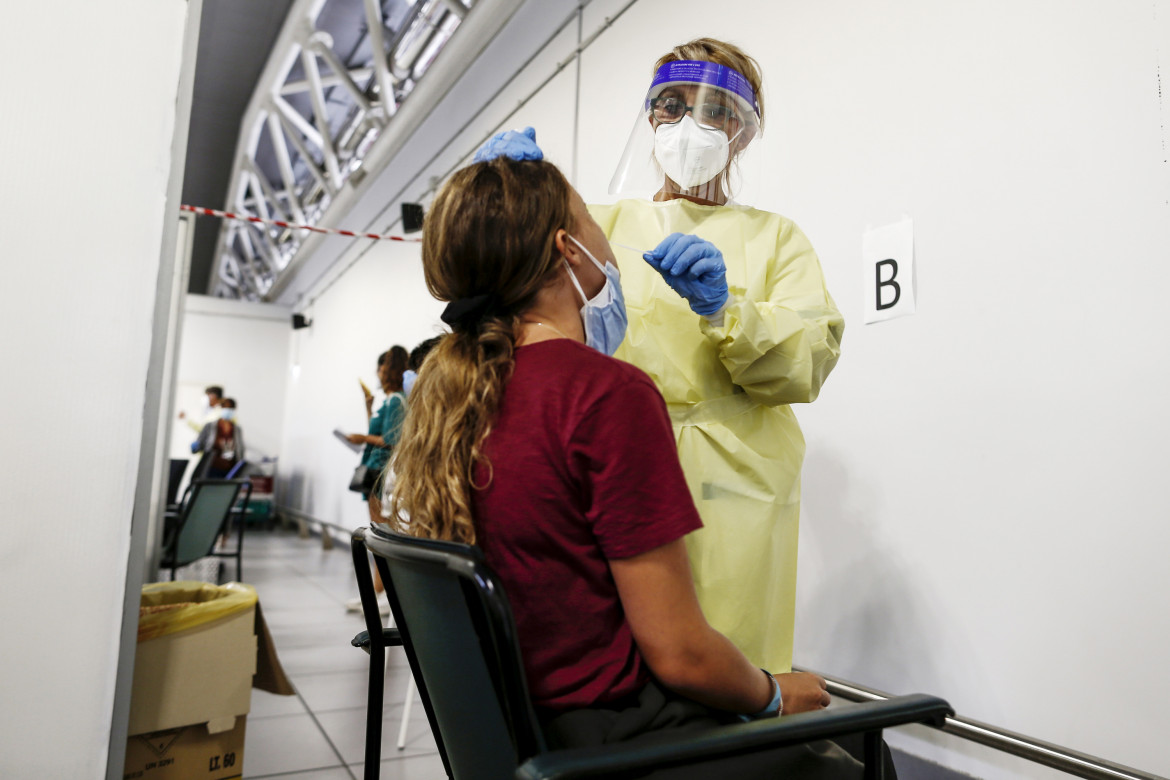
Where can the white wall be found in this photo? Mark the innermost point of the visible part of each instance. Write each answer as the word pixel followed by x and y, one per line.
pixel 87 144
pixel 983 514
pixel 374 306
pixel 244 347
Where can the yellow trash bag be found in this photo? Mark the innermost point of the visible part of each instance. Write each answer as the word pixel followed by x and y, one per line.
pixel 171 607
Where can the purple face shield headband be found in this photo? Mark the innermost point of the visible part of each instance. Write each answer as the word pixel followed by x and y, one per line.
pixel 701 72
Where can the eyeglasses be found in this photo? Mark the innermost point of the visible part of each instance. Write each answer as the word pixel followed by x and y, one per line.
pixel 669 110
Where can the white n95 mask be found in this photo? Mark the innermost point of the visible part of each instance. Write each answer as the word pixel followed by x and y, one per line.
pixel 689 154
pixel 603 315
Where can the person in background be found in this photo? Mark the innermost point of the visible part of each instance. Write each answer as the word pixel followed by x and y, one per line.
pixel 417 356
pixel 528 440
pixel 384 429
pixel 385 426
pixel 731 317
pixel 222 443
pixel 210 412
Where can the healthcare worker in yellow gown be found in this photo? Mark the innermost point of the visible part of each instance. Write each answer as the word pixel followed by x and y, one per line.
pixel 730 316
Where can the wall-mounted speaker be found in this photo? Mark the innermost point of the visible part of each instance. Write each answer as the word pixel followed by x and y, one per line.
pixel 412 217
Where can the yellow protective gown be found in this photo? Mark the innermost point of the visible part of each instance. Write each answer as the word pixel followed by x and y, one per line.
pixel 728 388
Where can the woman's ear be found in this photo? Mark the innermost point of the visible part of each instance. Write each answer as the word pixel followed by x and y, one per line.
pixel 567 248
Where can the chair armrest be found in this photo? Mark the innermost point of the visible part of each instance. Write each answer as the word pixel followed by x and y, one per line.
pixel 390 637
pixel 726 741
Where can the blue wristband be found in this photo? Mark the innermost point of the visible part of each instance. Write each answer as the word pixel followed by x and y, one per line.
pixel 776 706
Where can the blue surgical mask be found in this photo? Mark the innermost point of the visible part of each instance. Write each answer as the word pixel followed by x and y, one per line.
pixel 227 414
pixel 408 378
pixel 603 315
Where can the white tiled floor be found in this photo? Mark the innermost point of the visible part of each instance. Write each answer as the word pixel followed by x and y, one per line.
pixel 319 734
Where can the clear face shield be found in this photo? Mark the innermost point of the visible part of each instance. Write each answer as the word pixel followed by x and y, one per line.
pixel 696 119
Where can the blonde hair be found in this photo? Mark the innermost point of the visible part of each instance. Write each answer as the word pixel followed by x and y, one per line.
pixel 728 55
pixel 722 53
pixel 490 232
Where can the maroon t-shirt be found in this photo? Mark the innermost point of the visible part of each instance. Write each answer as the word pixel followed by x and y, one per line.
pixel 584 468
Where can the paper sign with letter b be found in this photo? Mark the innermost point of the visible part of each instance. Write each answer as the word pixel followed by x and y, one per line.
pixel 888 270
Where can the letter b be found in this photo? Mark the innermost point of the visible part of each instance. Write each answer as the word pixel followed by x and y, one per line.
pixel 893 264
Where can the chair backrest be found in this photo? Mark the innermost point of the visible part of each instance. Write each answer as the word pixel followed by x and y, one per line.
pixel 460 638
pixel 175 478
pixel 204 515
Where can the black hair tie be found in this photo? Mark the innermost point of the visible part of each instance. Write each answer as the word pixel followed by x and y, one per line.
pixel 466 313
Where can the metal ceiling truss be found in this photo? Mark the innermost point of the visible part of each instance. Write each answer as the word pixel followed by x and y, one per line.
pixel 314 116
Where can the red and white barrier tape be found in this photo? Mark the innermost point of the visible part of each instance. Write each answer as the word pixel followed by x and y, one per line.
pixel 292 226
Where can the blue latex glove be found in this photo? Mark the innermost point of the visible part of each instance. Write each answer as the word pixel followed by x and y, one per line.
pixel 514 144
pixel 694 269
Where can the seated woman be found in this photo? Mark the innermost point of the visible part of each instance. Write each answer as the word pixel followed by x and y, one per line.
pixel 525 438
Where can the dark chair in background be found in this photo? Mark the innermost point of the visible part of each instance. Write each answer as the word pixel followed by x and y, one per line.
pixel 456 626
pixel 174 479
pixel 239 518
pixel 239 515
pixel 203 516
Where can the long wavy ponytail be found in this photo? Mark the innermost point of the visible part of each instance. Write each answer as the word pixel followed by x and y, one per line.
pixel 489 236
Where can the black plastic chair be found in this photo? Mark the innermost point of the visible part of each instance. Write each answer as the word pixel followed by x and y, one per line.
pixel 239 516
pixel 456 626
pixel 178 468
pixel 175 511
pixel 203 517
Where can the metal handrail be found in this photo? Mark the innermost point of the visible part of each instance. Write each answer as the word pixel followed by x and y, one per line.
pixel 1060 758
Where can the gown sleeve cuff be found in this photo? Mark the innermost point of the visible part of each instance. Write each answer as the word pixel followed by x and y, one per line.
pixel 716 320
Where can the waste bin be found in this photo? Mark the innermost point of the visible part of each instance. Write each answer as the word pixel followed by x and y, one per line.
pixel 193 675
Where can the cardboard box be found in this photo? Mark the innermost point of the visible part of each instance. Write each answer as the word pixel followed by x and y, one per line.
pixel 191 695
pixel 202 675
pixel 186 752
